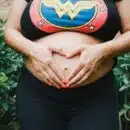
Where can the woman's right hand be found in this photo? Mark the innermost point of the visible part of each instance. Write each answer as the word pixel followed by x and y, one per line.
pixel 39 63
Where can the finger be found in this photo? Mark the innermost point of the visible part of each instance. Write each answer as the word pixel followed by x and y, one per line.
pixel 47 78
pixel 37 73
pixel 74 52
pixel 83 80
pixel 54 78
pixel 42 77
pixel 40 74
pixel 57 50
pixel 47 81
pixel 59 74
pixel 75 86
pixel 78 77
pixel 47 67
pixel 74 73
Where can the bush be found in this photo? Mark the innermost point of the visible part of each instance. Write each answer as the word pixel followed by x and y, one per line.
pixel 10 67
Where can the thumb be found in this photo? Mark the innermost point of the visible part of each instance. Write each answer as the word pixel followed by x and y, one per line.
pixel 74 52
pixel 57 50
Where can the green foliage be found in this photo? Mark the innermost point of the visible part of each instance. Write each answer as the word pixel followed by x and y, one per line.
pixel 122 74
pixel 10 66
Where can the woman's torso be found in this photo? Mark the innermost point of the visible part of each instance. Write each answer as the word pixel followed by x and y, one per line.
pixel 71 27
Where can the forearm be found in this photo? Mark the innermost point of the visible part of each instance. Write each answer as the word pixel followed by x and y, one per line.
pixel 120 45
pixel 18 42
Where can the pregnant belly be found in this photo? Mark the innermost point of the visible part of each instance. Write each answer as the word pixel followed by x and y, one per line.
pixel 72 39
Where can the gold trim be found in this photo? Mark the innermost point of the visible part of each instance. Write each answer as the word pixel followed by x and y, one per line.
pixel 66 27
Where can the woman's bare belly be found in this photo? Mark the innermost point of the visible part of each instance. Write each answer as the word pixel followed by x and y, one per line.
pixel 67 39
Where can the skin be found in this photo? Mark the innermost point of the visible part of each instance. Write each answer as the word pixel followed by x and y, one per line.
pixel 61 63
pixel 118 46
pixel 86 57
pixel 17 41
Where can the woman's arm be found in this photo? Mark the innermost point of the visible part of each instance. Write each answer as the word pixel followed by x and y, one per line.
pixel 121 44
pixel 38 56
pixel 93 56
pixel 12 32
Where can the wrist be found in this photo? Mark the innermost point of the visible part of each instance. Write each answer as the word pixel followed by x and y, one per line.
pixel 30 49
pixel 109 49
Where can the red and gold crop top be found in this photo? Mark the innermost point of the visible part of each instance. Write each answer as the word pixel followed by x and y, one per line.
pixel 98 18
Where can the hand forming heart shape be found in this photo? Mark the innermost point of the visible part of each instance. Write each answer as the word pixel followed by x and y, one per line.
pixel 88 60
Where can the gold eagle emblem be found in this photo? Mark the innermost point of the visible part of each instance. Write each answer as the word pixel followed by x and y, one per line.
pixel 71 9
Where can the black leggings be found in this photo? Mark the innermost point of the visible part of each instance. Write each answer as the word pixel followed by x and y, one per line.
pixel 41 107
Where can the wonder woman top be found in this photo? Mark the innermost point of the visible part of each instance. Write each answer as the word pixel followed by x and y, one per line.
pixel 98 18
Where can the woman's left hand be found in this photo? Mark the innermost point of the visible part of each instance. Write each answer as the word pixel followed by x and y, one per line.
pixel 91 57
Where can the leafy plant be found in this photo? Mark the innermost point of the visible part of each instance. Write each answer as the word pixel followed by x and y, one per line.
pixel 10 65
pixel 122 73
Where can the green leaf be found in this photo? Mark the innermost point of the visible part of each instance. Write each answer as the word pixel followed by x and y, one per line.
pixel 122 111
pixel 5 105
pixel 126 106
pixel 3 77
pixel 124 87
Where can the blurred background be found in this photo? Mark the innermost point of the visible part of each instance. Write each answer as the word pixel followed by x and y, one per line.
pixel 10 68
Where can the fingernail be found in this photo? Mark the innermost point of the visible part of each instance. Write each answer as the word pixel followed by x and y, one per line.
pixel 64 81
pixel 63 86
pixel 67 80
pixel 68 55
pixel 58 87
pixel 67 85
pixel 50 84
